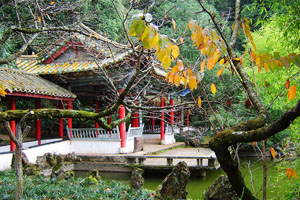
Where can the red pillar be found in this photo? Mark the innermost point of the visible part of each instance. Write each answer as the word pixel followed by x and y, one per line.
pixel 162 123
pixel 172 111
pixel 153 121
pixel 61 122
pixel 38 133
pixel 12 123
pixel 188 117
pixel 69 102
pixel 122 126
pixel 97 111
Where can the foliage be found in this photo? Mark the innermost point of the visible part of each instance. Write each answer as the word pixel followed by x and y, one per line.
pixel 101 16
pixel 285 14
pixel 40 187
pixel 291 189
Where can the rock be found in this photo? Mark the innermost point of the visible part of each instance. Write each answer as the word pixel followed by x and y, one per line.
pixel 137 180
pixel 193 141
pixel 72 157
pixel 221 189
pixel 174 185
pixel 138 144
pixel 193 138
pixel 32 169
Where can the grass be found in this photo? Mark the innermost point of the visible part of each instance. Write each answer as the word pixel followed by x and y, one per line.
pixel 40 187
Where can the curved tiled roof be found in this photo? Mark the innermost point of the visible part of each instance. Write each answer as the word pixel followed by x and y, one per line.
pixel 18 81
pixel 32 66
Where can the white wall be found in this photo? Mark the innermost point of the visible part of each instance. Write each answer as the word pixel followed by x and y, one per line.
pixel 65 147
pixel 169 139
pixel 92 147
pixel 5 161
pixel 62 147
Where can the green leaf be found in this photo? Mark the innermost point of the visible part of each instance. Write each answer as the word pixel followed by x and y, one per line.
pixel 137 28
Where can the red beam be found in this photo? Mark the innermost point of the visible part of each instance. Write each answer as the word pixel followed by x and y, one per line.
pixel 41 96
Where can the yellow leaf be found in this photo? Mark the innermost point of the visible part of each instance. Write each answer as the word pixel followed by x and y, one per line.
pixel 216 56
pixel 52 3
pixel 214 35
pixel 292 92
pixel 184 81
pixel 220 71
pixel 39 19
pixel 170 75
pixel 2 90
pixel 290 172
pixel 145 38
pixel 199 102
pixel 266 67
pixel 166 62
pixel 191 73
pixel 181 40
pixel 203 65
pixel 223 47
pixel 175 51
pixel 213 88
pixel 198 37
pixel 192 83
pixel 180 65
pixel 273 152
pixel 174 24
pixel 154 42
pixel 222 61
pixel 210 64
pixel 177 79
pixel 253 56
pixel 175 69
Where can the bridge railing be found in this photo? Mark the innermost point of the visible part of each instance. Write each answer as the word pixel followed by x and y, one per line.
pixel 211 161
pixel 135 131
pixel 93 134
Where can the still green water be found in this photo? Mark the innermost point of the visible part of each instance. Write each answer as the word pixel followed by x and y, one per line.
pixel 197 185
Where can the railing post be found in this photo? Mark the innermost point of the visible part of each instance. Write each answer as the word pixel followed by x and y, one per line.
pixel 211 162
pixel 170 161
pixel 199 162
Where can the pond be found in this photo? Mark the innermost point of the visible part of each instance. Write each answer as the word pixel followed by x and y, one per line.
pixel 197 185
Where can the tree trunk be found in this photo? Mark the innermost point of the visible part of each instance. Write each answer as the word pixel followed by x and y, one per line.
pixel 18 162
pixel 235 177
